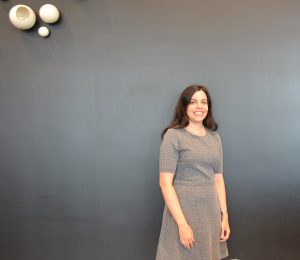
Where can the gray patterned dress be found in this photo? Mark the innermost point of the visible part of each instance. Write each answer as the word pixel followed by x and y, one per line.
pixel 194 160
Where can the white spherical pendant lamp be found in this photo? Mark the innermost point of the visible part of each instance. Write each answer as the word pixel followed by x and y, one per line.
pixel 49 13
pixel 22 17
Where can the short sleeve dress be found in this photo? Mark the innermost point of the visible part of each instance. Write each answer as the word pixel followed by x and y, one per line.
pixel 194 160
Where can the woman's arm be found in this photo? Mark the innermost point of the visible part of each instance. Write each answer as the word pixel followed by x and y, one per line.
pixel 185 232
pixel 221 194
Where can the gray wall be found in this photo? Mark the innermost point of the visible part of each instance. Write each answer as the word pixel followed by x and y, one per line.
pixel 82 112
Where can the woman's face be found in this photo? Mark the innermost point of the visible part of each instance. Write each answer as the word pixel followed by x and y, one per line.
pixel 197 109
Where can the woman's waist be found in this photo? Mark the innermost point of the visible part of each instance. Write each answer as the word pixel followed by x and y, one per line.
pixel 203 182
pixel 194 189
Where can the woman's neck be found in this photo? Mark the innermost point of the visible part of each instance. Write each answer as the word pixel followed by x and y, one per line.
pixel 195 126
pixel 197 129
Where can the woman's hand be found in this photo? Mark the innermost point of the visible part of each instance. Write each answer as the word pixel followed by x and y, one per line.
pixel 225 229
pixel 186 236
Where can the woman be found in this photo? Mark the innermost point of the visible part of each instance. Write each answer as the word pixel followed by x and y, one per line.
pixel 195 220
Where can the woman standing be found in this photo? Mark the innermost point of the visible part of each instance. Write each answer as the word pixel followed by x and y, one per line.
pixel 195 220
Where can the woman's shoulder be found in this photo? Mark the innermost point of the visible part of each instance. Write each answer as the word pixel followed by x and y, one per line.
pixel 214 134
pixel 175 133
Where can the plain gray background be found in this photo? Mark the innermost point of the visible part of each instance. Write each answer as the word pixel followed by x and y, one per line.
pixel 82 112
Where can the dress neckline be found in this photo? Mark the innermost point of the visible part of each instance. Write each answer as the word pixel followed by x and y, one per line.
pixel 200 136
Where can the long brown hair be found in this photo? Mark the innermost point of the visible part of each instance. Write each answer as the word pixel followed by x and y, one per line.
pixel 181 120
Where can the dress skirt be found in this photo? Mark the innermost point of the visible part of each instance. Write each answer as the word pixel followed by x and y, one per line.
pixel 201 209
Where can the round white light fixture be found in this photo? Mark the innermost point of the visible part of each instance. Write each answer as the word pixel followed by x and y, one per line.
pixel 22 17
pixel 43 31
pixel 49 13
